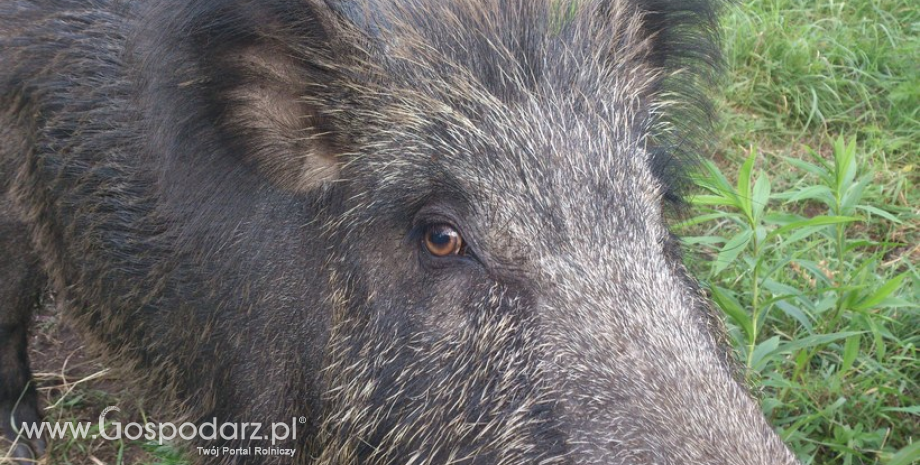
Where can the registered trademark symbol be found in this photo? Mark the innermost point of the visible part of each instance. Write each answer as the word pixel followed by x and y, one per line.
pixel 302 420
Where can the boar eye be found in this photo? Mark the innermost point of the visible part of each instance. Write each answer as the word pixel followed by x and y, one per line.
pixel 443 240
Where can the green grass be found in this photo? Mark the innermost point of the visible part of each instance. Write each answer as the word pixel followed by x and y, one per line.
pixel 850 67
pixel 809 244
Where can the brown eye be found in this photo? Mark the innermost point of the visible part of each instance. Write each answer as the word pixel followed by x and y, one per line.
pixel 443 240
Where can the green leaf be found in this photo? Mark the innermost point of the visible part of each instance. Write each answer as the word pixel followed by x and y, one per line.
pixel 819 192
pixel 884 291
pixel 708 240
pixel 816 221
pixel 706 199
pixel 731 250
pixel 731 307
pixel 760 357
pixel 907 455
pixel 877 338
pixel 716 180
pixel 826 303
pixel 761 197
pixel 778 288
pixel 807 167
pixel 850 351
pixel 782 219
pixel 813 341
pixel 796 313
pixel 744 185
pixel 845 165
pixel 879 212
pixel 852 195
pixel 802 234
pixel 853 245
pixel 760 232
pixel 913 409
pixel 896 302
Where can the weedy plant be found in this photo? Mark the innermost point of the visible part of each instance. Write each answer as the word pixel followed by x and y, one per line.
pixel 816 320
pixel 815 264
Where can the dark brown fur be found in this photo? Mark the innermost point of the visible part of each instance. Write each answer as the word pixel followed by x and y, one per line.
pixel 230 196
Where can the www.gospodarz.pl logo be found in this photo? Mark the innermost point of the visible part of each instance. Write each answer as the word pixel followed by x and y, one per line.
pixel 245 432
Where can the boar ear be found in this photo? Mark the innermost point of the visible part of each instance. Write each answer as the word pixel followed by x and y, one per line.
pixel 269 69
pixel 684 47
pixel 678 42
pixel 684 34
pixel 679 34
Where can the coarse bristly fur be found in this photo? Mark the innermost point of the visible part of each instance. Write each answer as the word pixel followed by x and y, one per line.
pixel 233 198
